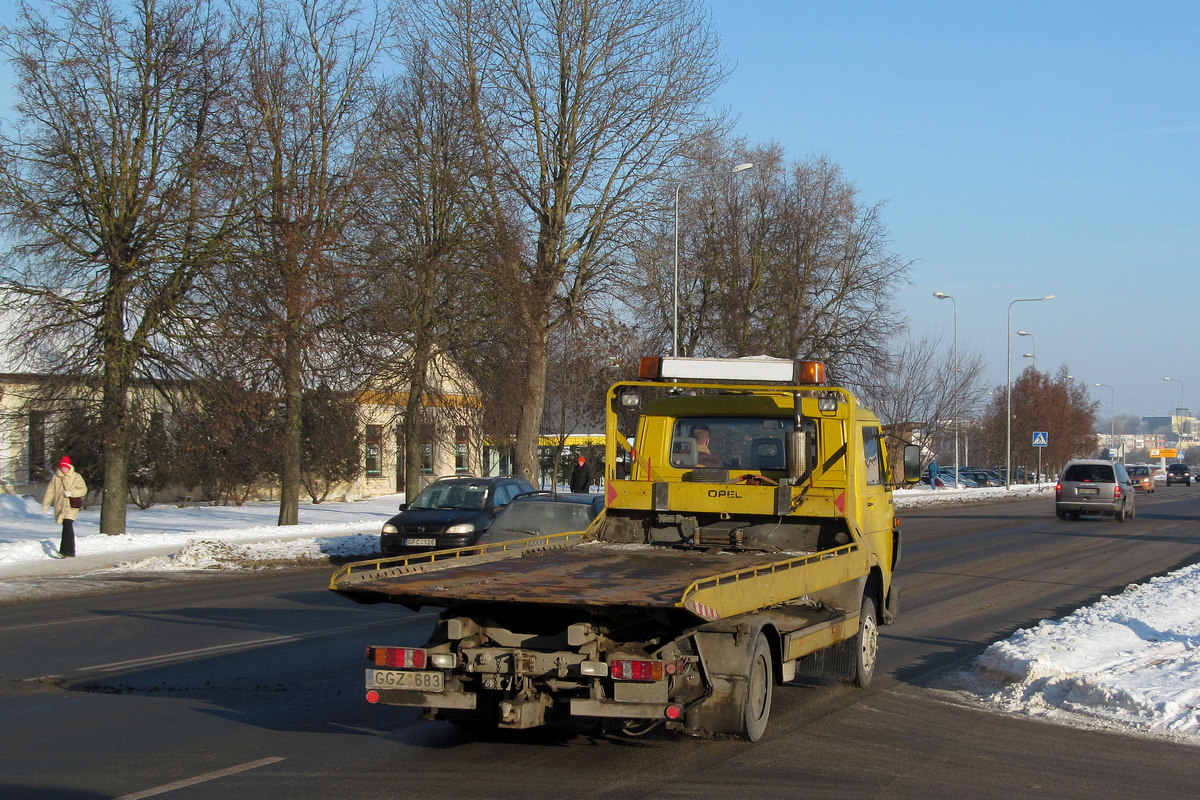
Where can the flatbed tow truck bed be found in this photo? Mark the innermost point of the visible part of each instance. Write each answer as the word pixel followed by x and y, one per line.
pixel 598 575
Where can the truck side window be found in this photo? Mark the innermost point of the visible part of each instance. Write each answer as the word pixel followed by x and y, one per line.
pixel 871 454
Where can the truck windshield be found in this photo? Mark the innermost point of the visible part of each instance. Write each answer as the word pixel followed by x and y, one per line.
pixel 730 442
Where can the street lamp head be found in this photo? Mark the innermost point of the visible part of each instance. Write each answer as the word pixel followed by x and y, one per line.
pixel 742 167
pixel 1027 355
pixel 1048 297
pixel 1024 333
pixel 942 296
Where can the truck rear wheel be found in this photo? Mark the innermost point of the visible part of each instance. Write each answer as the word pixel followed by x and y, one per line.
pixel 760 681
pixel 866 644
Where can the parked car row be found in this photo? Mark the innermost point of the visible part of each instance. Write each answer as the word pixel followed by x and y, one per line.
pixel 968 477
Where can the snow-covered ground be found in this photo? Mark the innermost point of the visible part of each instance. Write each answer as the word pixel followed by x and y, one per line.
pixel 1130 662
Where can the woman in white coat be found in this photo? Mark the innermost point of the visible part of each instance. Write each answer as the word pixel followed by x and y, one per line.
pixel 65 493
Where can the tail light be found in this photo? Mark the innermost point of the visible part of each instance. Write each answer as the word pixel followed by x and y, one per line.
pixel 1117 491
pixel 633 669
pixel 627 669
pixel 1058 489
pixel 397 657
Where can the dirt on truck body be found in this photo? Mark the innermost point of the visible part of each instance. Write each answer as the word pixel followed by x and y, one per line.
pixel 747 540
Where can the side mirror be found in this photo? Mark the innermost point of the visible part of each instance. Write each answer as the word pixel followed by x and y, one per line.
pixel 912 463
pixel 404 506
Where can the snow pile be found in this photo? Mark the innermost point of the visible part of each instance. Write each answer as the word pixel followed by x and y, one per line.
pixel 216 554
pixel 924 497
pixel 29 538
pixel 1131 662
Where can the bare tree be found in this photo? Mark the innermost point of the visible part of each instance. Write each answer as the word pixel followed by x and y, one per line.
pixel 113 187
pixel 784 261
pixel 923 387
pixel 425 237
pixel 580 105
pixel 585 359
pixel 306 102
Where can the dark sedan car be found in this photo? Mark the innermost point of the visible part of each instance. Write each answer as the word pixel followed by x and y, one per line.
pixel 543 514
pixel 1179 473
pixel 450 512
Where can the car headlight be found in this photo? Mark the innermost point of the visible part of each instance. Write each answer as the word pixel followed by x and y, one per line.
pixel 390 528
pixel 466 527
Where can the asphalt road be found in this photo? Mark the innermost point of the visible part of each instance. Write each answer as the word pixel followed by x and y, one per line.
pixel 252 687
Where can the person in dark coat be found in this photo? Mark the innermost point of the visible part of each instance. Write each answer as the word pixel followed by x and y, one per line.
pixel 66 486
pixel 581 476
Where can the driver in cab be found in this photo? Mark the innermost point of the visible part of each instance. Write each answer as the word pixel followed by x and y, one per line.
pixel 704 456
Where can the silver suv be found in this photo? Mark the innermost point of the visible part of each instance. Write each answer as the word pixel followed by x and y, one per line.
pixel 1090 486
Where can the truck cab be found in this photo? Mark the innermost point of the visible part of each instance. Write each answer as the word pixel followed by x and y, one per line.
pixel 750 454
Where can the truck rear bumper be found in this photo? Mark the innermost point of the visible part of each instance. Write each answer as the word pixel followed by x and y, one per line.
pixel 586 707
pixel 463 701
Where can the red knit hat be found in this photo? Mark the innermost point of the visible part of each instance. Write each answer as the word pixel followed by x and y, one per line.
pixel 65 461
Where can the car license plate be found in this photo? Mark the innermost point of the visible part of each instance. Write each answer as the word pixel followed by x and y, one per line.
pixel 1089 490
pixel 420 542
pixel 404 679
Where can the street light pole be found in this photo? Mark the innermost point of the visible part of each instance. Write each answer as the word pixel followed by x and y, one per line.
pixel 1112 401
pixel 1008 384
pixel 1181 401
pixel 675 300
pixel 954 385
pixel 1032 347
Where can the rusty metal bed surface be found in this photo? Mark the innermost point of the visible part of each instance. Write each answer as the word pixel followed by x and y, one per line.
pixel 594 575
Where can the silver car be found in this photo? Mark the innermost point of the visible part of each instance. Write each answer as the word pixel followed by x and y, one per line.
pixel 1089 486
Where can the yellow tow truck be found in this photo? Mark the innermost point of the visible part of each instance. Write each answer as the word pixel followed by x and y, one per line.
pixel 749 539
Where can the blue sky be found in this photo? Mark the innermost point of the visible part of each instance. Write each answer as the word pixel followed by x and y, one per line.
pixel 1021 149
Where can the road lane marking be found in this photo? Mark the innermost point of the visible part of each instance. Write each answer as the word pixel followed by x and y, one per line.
pixel 253 644
pixel 208 776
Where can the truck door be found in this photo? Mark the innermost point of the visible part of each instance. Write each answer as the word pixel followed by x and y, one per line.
pixel 876 505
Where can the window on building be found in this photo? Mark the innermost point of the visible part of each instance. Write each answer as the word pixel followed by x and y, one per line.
pixel 427 458
pixel 374 455
pixel 462 461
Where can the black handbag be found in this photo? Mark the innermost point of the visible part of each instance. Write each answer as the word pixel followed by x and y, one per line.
pixel 76 502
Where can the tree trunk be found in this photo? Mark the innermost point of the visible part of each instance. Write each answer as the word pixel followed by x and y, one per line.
pixel 534 396
pixel 114 424
pixel 293 393
pixel 413 422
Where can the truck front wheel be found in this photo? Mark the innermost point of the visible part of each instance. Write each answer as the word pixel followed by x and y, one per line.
pixel 866 644
pixel 760 680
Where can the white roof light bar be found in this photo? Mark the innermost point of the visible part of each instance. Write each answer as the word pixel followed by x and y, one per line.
pixel 772 370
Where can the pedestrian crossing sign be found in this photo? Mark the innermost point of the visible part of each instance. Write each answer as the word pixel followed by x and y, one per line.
pixel 1040 439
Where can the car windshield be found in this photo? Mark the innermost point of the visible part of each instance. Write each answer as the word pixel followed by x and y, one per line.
pixel 539 518
pixel 460 495
pixel 1138 471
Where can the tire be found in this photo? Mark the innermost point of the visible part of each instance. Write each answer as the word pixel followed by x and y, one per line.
pixel 1062 515
pixel 1119 514
pixel 760 685
pixel 866 644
